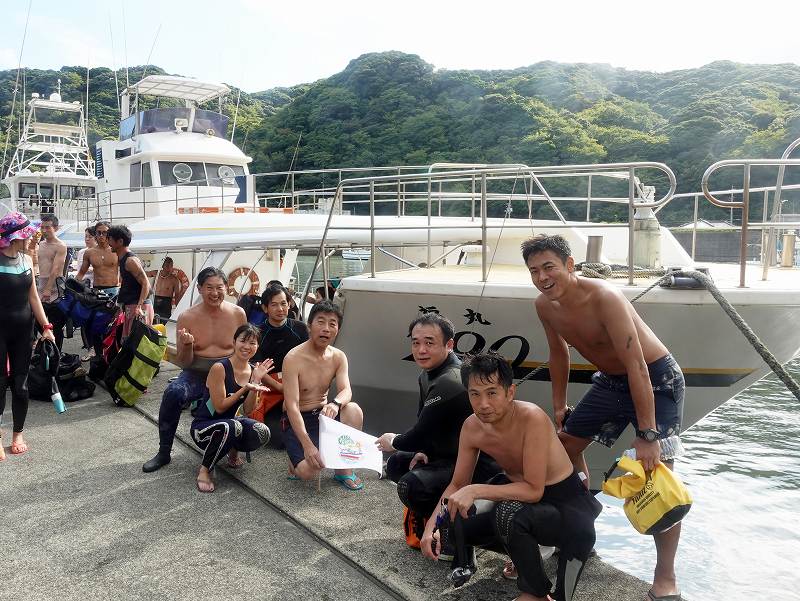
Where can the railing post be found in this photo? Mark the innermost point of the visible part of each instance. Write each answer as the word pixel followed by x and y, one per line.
pixel 764 218
pixel 176 199
pixel 694 227
pixel 398 192
pixel 484 241
pixel 372 227
pixel 472 200
pixel 631 191
pixel 743 244
pixel 428 263
pixel 589 199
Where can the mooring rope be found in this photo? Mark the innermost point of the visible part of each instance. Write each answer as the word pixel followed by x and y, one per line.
pixel 602 269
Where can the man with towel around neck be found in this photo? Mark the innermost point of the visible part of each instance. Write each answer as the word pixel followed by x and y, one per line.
pixel 204 336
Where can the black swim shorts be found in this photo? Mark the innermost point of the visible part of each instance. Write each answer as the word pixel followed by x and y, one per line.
pixel 607 408
pixel 290 440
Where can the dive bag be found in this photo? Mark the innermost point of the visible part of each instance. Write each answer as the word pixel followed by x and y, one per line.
pixel 136 364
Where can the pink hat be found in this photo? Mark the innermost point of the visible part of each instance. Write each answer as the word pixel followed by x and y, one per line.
pixel 15 226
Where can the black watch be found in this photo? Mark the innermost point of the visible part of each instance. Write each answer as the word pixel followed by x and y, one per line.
pixel 649 435
pixel 337 403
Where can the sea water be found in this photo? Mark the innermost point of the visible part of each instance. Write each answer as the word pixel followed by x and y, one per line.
pixel 741 538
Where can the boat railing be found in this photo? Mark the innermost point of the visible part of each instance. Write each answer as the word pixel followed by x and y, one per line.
pixel 483 178
pixel 744 204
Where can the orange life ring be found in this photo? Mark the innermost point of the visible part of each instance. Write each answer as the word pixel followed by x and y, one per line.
pixel 184 280
pixel 236 274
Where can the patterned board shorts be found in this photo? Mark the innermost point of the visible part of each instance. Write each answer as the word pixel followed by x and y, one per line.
pixel 607 408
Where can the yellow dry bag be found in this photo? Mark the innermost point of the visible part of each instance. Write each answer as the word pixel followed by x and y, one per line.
pixel 654 501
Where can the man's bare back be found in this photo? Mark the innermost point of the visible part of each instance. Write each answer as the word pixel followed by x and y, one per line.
pixel 511 447
pixel 582 323
pixel 212 329
pixel 315 372
pixel 105 264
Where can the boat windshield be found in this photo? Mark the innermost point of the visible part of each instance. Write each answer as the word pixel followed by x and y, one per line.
pixel 163 119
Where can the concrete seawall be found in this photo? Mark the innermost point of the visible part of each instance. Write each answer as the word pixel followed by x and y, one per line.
pixel 81 521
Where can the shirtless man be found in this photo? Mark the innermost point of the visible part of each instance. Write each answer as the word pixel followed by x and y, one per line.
pixel 308 371
pixel 103 262
pixel 638 381
pixel 167 288
pixel 539 499
pixel 204 336
pixel 52 256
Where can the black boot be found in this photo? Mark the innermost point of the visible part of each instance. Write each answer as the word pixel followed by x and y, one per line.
pixel 156 463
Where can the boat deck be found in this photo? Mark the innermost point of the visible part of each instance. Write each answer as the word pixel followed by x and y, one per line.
pixel 514 280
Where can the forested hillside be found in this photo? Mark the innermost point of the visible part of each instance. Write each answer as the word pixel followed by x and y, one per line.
pixel 392 108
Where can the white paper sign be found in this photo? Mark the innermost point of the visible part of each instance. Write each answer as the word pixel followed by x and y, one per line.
pixel 343 447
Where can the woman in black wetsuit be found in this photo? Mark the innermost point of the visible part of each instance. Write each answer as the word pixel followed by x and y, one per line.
pixel 216 428
pixel 19 304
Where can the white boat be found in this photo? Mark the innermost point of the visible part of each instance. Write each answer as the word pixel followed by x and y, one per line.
pixel 468 267
pixel 51 170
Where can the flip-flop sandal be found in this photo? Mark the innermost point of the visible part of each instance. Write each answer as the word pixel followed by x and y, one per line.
pixel 675 597
pixel 509 571
pixel 343 479
pixel 236 465
pixel 18 448
pixel 207 490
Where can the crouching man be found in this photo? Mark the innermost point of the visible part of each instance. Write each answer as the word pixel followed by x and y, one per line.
pixel 308 372
pixel 538 500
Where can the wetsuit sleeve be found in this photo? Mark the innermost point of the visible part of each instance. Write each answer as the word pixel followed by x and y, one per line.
pixel 445 402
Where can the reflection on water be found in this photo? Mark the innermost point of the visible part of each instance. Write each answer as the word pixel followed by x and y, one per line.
pixel 742 536
pixel 742 466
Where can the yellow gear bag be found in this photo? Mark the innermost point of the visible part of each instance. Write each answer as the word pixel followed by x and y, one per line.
pixel 654 501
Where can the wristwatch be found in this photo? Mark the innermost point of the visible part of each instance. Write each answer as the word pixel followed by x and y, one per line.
pixel 337 403
pixel 649 435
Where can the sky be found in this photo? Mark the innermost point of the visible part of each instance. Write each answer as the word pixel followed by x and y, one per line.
pixel 260 44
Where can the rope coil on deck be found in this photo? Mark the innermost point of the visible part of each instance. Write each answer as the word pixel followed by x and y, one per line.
pixel 601 269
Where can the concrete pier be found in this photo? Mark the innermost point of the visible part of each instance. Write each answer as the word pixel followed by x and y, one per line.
pixel 81 521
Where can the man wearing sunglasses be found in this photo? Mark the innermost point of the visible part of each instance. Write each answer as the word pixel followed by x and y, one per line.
pixel 103 261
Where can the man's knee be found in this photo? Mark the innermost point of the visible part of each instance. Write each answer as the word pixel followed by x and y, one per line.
pixel 352 415
pixel 573 445
pixel 513 518
pixel 397 466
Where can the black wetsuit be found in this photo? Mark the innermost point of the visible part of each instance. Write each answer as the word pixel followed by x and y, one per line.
pixel 129 289
pixel 276 342
pixel 443 407
pixel 564 518
pixel 16 277
pixel 217 433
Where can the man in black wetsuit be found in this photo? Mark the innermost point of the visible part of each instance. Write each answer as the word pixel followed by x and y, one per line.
pixel 280 334
pixel 537 500
pixel 425 455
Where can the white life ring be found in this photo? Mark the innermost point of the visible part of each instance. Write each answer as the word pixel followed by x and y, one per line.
pixel 249 274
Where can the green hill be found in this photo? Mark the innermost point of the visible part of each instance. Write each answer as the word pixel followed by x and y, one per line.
pixel 393 108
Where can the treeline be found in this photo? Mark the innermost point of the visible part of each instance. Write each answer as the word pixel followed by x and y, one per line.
pixel 393 108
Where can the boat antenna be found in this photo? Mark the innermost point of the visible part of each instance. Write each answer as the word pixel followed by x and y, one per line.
pixel 236 113
pixel 114 63
pixel 291 164
pixel 149 56
pixel 16 88
pixel 125 43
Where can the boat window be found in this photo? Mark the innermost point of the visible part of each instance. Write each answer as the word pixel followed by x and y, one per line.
pixel 46 191
pixel 147 179
pixel 126 127
pixel 162 119
pixel 223 175
pixel 66 192
pixel 209 121
pixel 183 172
pixel 84 191
pixel 136 176
pixel 27 190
